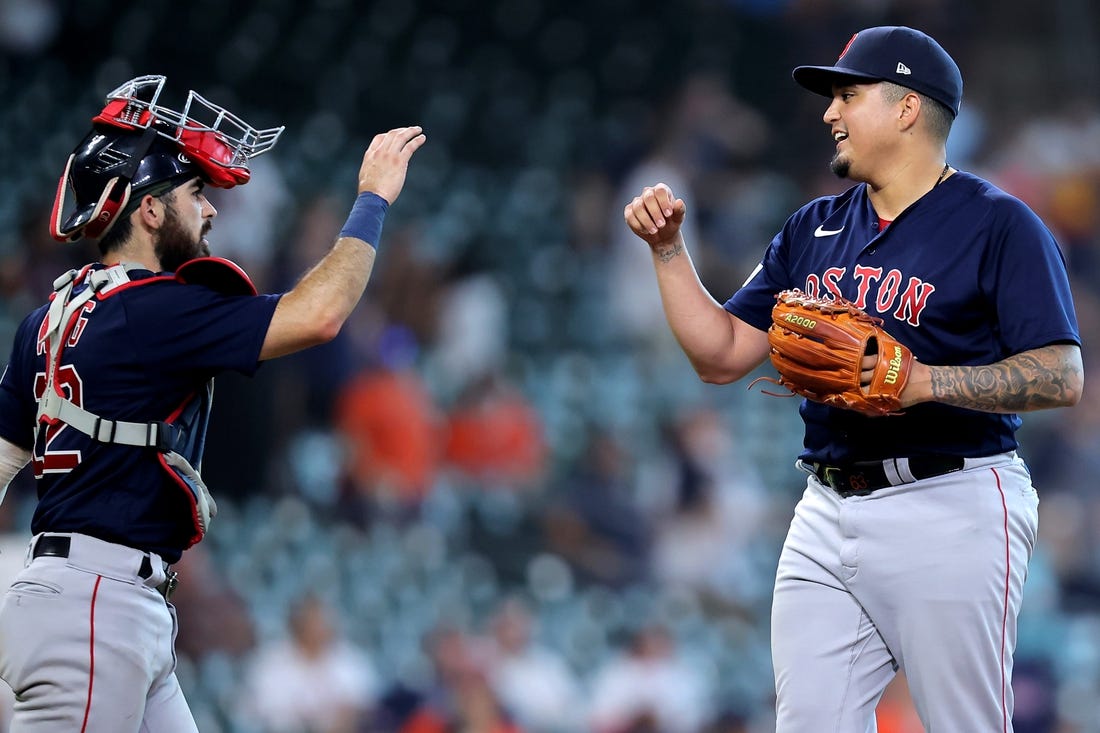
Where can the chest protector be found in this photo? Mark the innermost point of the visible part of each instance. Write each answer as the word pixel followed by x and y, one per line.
pixel 180 438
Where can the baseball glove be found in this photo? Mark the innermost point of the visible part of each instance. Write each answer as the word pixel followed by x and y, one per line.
pixel 818 345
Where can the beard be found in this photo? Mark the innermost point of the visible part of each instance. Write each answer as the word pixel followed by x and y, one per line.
pixel 840 166
pixel 174 245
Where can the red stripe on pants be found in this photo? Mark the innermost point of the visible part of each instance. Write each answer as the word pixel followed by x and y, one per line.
pixel 91 653
pixel 1004 618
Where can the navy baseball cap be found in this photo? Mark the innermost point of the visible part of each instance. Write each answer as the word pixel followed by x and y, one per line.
pixel 892 53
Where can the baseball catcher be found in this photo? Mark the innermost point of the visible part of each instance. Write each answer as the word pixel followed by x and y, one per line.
pixel 109 386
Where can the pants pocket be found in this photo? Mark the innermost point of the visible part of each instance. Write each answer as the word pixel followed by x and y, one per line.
pixel 35 588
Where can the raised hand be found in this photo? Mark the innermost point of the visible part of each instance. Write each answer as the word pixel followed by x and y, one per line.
pixel 387 160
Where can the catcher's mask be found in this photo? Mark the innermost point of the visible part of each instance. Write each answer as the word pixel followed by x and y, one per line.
pixel 139 147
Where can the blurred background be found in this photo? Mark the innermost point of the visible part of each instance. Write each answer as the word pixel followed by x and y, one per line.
pixel 501 500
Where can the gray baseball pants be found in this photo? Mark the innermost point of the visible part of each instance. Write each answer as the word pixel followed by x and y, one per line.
pixel 927 576
pixel 87 644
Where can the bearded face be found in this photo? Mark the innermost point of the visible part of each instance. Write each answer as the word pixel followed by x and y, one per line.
pixel 174 243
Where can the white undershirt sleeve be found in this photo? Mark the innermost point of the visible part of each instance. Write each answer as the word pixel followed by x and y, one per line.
pixel 12 459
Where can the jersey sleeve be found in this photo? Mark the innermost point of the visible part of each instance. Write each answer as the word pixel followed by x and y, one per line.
pixel 753 302
pixel 17 409
pixel 180 326
pixel 1025 277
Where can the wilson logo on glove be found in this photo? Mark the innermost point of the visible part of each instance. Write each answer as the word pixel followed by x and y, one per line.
pixel 894 371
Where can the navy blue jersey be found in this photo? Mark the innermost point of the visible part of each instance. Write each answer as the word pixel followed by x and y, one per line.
pixel 967 275
pixel 136 353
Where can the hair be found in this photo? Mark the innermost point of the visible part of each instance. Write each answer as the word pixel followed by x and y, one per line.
pixel 938 118
pixel 123 228
pixel 116 236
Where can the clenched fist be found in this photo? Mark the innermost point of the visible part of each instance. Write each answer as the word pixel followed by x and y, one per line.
pixel 655 215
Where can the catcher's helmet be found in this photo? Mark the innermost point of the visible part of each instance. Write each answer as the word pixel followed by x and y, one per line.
pixel 108 170
pixel 138 147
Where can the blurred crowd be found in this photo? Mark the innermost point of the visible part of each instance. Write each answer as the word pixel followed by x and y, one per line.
pixel 500 500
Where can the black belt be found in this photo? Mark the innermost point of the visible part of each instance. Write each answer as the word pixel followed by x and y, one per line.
pixel 863 477
pixel 59 546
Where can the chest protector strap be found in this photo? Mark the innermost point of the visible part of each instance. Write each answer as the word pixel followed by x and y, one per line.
pixel 180 439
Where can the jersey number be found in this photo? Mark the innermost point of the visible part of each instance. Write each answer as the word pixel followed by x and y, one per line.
pixel 56 461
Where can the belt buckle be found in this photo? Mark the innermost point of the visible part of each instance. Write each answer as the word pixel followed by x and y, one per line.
pixel 831 476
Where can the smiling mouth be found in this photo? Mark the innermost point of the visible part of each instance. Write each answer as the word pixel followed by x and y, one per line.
pixel 840 136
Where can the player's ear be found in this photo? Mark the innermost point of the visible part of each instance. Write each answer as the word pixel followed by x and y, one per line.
pixel 908 111
pixel 150 211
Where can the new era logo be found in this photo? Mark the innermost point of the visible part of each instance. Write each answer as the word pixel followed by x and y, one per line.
pixel 903 69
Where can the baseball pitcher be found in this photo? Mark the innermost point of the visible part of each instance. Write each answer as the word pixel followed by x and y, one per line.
pixel 918 313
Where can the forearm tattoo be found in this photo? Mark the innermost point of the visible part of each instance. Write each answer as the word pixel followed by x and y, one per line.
pixel 668 251
pixel 1033 380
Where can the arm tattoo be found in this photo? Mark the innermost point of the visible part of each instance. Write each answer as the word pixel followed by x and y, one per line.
pixel 1032 380
pixel 667 252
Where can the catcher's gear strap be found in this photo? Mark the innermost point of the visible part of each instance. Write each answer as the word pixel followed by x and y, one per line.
pixel 165 437
pixel 12 459
pixel 159 435
pixel 54 406
pixel 215 272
